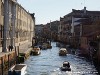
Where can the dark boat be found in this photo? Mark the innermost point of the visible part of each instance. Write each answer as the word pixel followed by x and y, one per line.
pixel 66 66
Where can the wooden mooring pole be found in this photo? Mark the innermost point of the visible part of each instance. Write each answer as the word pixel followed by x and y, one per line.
pixel 2 65
pixel 16 55
pixel 8 62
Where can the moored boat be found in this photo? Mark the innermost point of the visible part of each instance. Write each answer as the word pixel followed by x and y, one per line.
pixel 35 51
pixel 63 52
pixel 18 69
pixel 44 46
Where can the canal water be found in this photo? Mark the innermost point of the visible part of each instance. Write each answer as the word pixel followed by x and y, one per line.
pixel 49 62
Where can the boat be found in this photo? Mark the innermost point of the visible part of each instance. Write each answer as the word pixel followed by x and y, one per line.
pixel 49 46
pixel 35 51
pixel 58 44
pixel 66 66
pixel 18 69
pixel 62 52
pixel 44 46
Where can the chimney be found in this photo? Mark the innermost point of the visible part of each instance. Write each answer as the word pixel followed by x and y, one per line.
pixel 73 10
pixel 84 10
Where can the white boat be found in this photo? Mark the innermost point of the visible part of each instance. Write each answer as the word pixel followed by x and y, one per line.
pixel 35 52
pixel 63 52
pixel 18 69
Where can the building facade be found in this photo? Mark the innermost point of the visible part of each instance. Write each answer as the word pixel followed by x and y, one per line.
pixel 83 28
pixel 51 30
pixel 16 25
pixel 71 26
pixel 1 22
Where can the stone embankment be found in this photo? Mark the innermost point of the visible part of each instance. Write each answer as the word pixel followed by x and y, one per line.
pixel 17 55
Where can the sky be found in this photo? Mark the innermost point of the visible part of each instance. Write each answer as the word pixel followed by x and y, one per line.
pixel 51 10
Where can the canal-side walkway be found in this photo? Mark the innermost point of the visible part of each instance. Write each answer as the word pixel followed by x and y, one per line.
pixel 24 51
pixel 24 48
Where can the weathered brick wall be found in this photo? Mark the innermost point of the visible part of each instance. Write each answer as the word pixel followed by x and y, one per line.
pixel 5 57
pixel 6 65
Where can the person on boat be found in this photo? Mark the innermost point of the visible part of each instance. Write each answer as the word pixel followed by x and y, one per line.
pixel 66 64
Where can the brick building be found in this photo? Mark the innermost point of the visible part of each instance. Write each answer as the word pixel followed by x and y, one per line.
pixel 70 26
pixel 79 28
pixel 51 30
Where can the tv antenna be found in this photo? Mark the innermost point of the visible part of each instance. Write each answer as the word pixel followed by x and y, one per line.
pixel 83 3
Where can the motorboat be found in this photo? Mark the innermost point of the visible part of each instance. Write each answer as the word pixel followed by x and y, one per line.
pixel 62 52
pixel 18 69
pixel 46 45
pixel 66 66
pixel 35 51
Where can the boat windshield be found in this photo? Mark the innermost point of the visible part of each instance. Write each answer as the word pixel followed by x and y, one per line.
pixel 66 64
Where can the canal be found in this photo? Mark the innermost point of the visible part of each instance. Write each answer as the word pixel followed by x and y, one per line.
pixel 48 63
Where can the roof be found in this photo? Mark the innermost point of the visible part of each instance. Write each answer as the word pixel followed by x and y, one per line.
pixel 63 49
pixel 65 62
pixel 82 13
pixel 91 12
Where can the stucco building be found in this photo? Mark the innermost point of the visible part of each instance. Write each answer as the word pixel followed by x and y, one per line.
pixel 16 25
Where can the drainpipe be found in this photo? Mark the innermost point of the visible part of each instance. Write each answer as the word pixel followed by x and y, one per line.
pixel 98 55
pixel 81 27
pixel 81 30
pixel 6 24
pixel 50 32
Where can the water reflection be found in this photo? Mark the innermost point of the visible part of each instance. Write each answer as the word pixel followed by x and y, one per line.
pixel 49 62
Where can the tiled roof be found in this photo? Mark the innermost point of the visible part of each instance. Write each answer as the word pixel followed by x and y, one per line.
pixel 82 12
pixel 91 12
